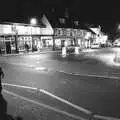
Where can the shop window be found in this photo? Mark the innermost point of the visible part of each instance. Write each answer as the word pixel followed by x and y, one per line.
pixel 13 45
pixel 59 32
pixel 58 42
pixel 26 38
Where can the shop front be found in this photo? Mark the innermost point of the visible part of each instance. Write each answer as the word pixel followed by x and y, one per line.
pixel 22 42
pixel 7 44
pixel 63 42
pixel 36 43
pixel 46 42
pixel 2 45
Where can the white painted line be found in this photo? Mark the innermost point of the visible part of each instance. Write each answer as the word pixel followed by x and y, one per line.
pixel 77 107
pixel 105 118
pixel 27 87
pixel 40 68
pixel 53 96
pixel 44 105
pixel 64 101
pixel 99 76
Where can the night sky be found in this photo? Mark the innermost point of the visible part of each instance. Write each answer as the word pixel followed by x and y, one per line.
pixel 107 14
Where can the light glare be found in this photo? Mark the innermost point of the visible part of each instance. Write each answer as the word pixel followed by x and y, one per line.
pixel 33 21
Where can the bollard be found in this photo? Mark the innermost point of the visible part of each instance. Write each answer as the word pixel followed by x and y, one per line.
pixel 64 52
pixel 76 50
pixel 117 57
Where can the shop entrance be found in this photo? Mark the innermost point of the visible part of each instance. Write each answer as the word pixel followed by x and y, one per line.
pixel 8 47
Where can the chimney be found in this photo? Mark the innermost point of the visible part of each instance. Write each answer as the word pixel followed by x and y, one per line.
pixel 66 13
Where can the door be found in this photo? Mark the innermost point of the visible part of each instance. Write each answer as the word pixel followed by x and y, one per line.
pixel 8 47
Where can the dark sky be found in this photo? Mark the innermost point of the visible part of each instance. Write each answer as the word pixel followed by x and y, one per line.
pixel 107 14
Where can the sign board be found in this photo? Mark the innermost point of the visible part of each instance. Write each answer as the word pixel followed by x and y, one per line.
pixel 7 29
pixel 1 30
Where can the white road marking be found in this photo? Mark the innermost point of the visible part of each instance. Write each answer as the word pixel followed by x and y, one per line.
pixel 105 118
pixel 44 105
pixel 53 96
pixel 40 68
pixel 27 87
pixel 99 76
pixel 64 101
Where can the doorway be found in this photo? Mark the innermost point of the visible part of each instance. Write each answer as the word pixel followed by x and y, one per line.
pixel 8 47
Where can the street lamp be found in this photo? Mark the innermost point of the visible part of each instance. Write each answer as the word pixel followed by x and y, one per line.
pixel 33 21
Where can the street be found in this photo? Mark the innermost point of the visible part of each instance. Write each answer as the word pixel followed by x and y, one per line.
pixel 89 80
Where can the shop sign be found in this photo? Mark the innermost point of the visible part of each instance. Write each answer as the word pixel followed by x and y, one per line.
pixel 20 30
pixel 34 30
pixel 7 29
pixel 1 30
pixel 26 30
pixel 14 30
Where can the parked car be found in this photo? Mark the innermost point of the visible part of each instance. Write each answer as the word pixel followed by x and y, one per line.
pixel 95 45
pixel 116 44
pixel 103 45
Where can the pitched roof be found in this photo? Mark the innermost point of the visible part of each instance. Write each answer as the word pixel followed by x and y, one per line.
pixel 54 20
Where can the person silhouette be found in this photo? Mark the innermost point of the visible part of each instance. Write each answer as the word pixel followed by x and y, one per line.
pixel 1 77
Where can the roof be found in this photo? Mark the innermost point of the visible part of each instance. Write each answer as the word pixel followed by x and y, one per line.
pixel 54 20
pixel 92 25
pixel 24 24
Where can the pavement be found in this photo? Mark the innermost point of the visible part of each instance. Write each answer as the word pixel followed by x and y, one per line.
pixel 45 51
pixel 30 53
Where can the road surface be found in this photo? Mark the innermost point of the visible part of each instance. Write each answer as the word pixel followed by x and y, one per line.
pixel 86 80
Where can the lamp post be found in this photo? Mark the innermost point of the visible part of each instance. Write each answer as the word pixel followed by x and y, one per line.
pixel 33 22
pixel 16 38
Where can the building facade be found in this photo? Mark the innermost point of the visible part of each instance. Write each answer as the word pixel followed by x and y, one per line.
pixel 73 37
pixel 100 37
pixel 19 37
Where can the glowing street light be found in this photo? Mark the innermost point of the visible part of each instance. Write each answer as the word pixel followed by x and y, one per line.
pixel 33 21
